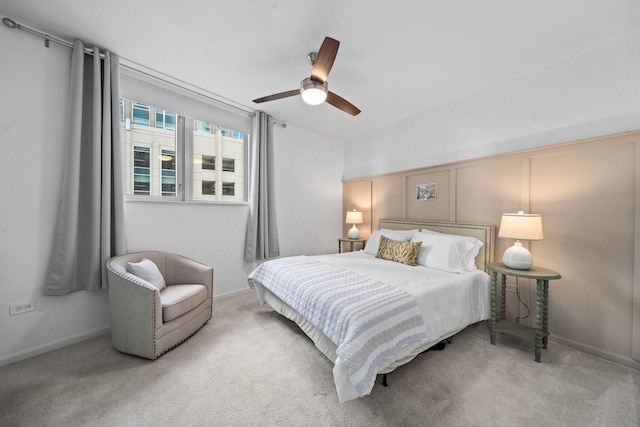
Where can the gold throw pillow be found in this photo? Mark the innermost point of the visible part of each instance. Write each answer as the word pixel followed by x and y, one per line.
pixel 394 250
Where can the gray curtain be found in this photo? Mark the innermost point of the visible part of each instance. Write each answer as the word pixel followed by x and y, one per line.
pixel 262 229
pixel 90 225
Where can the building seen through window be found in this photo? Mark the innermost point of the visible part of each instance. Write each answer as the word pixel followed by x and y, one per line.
pixel 154 166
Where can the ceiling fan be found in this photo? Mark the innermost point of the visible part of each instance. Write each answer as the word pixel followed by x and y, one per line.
pixel 315 89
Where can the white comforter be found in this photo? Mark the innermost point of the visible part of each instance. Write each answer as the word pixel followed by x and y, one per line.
pixel 448 303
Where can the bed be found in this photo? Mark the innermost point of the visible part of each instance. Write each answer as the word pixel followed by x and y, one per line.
pixel 371 311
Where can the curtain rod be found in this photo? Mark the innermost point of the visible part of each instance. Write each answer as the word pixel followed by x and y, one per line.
pixel 14 25
pixel 10 23
pixel 279 123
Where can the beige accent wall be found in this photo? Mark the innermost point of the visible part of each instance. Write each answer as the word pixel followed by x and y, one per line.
pixel 586 191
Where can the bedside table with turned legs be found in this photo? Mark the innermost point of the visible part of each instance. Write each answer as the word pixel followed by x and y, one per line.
pixel 538 335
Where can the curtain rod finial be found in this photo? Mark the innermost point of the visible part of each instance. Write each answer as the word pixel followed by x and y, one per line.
pixel 10 23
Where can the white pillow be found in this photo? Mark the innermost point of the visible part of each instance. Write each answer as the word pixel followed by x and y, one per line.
pixel 439 252
pixel 467 245
pixel 374 240
pixel 147 270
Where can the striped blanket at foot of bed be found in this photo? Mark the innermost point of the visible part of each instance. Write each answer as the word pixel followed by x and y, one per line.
pixel 369 321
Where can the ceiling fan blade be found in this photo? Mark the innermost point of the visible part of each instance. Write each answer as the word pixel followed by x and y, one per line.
pixel 342 104
pixel 324 59
pixel 275 96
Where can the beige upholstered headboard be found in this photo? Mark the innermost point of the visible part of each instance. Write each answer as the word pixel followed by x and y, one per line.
pixel 484 232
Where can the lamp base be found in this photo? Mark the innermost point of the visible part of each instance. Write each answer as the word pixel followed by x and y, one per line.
pixel 354 233
pixel 517 257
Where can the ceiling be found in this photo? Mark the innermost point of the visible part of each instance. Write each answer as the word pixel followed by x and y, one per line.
pixel 396 59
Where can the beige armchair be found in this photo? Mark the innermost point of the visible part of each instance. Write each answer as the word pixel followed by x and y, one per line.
pixel 147 322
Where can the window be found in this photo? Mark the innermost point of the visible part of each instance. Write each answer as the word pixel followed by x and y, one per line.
pixel 194 149
pixel 168 159
pixel 157 144
pixel 208 162
pixel 208 188
pixel 228 188
pixel 165 120
pixel 153 166
pixel 231 133
pixel 209 148
pixel 229 165
pixel 140 113
pixel 203 126
pixel 141 170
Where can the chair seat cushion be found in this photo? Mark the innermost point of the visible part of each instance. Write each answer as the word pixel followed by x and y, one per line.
pixel 179 299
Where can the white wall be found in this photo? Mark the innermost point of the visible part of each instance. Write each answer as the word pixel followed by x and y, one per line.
pixel 590 94
pixel 308 191
pixel 33 102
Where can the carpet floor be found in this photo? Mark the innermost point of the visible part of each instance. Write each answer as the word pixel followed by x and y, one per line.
pixel 251 367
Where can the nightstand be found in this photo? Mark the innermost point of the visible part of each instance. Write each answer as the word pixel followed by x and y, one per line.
pixel 538 335
pixel 342 240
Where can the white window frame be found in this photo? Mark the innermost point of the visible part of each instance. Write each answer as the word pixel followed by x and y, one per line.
pixel 188 107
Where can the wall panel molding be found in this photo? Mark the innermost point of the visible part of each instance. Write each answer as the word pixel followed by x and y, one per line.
pixel 588 193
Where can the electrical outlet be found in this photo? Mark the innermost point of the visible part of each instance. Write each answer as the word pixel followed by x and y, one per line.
pixel 21 308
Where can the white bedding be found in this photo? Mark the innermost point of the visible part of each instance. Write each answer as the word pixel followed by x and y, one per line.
pixel 447 301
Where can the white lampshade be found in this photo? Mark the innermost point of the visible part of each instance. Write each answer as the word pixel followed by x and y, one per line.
pixel 520 226
pixel 354 217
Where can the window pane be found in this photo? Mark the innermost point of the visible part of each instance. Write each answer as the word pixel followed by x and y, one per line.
pixel 168 186
pixel 140 114
pixel 170 121
pixel 209 188
pixel 168 159
pixel 208 162
pixel 203 126
pixel 151 169
pixel 141 171
pixel 141 157
pixel 228 188
pixel 221 143
pixel 141 187
pixel 228 165
pixel 165 120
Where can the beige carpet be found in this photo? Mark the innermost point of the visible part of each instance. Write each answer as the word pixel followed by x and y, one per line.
pixel 251 367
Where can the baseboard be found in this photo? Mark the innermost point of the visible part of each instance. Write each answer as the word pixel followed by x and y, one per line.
pixel 613 357
pixel 52 345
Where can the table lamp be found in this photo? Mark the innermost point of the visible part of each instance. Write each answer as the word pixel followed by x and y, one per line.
pixel 354 217
pixel 519 226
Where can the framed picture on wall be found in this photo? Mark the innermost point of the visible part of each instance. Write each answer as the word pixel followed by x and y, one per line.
pixel 427 191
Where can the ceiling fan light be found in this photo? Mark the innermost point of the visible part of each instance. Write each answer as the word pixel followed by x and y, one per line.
pixel 313 92
pixel 314 96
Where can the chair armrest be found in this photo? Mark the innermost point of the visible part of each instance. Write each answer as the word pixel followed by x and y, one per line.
pixel 183 270
pixel 136 313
